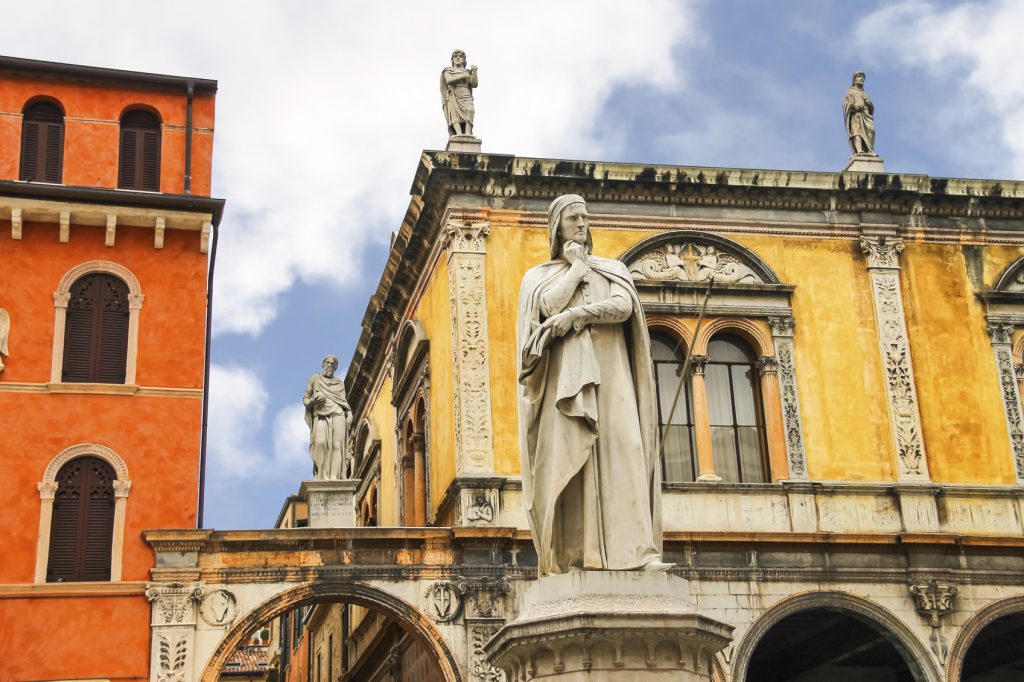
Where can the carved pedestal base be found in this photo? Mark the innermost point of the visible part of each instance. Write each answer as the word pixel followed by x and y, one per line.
pixel 608 625
pixel 331 503
pixel 864 163
pixel 463 143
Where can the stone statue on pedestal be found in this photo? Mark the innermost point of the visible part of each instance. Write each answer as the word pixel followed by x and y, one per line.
pixel 328 416
pixel 457 83
pixel 588 424
pixel 859 115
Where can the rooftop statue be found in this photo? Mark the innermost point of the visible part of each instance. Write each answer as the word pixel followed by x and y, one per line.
pixel 457 83
pixel 588 423
pixel 328 416
pixel 859 114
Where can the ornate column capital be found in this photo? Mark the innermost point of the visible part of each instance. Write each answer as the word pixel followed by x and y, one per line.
pixel 60 299
pixel 174 603
pixel 934 600
pixel 882 252
pixel 782 326
pixel 767 365
pixel 121 488
pixel 418 441
pixel 47 490
pixel 463 235
pixel 1001 332
pixel 698 363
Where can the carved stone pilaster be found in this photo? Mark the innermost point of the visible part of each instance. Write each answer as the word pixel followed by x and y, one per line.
pixel 466 244
pixel 933 601
pixel 485 613
pixel 897 365
pixel 173 628
pixel 1009 389
pixel 792 423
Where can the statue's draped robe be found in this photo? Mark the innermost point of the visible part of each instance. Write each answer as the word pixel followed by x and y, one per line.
pixel 860 122
pixel 588 425
pixel 327 426
pixel 457 97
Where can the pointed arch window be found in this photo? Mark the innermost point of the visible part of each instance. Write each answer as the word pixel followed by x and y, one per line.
pixel 96 330
pixel 82 525
pixel 42 143
pixel 734 411
pixel 675 411
pixel 139 162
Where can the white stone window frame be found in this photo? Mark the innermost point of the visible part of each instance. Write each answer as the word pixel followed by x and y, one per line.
pixel 48 491
pixel 60 302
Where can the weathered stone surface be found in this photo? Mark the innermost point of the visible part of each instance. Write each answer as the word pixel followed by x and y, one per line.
pixel 331 503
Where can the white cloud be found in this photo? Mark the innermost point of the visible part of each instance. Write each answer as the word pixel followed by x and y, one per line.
pixel 291 437
pixel 238 401
pixel 977 43
pixel 324 108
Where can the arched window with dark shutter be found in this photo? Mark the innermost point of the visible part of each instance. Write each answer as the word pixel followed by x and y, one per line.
pixel 96 330
pixel 139 165
pixel 42 142
pixel 82 525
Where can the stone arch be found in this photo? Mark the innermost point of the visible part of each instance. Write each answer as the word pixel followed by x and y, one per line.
pixel 644 258
pixel 354 592
pixel 412 343
pixel 749 330
pixel 898 633
pixel 984 617
pixel 672 326
pixel 60 302
pixel 1012 278
pixel 48 490
pixel 365 439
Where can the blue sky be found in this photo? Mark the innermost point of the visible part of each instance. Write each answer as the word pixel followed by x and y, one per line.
pixel 308 220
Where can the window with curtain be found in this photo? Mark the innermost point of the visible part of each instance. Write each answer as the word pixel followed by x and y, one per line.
pixel 139 162
pixel 42 143
pixel 82 525
pixel 734 410
pixel 678 451
pixel 96 330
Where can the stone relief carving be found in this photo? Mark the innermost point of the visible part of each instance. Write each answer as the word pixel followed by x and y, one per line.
pixel 690 262
pixel 479 666
pixel 1009 388
pixel 5 332
pixel 172 657
pixel 481 512
pixel 219 607
pixel 782 335
pixel 443 601
pixel 486 596
pixel 472 404
pixel 174 603
pixel 897 364
pixel 933 601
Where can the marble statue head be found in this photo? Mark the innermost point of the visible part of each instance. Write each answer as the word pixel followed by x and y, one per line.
pixel 457 56
pixel 331 361
pixel 558 212
pixel 858 76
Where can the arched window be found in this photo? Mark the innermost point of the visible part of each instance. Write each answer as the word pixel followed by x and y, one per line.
pixel 734 411
pixel 82 526
pixel 96 330
pixel 42 142
pixel 139 165
pixel 675 410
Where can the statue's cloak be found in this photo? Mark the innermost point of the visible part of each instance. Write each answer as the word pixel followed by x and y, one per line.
pixel 458 106
pixel 551 457
pixel 860 121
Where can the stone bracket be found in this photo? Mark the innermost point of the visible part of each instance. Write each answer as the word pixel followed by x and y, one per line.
pixel 934 600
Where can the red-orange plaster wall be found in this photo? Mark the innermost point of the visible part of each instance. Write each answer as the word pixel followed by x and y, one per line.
pixel 92 114
pixel 90 638
pixel 172 321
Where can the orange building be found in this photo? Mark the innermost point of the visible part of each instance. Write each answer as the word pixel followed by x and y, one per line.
pixel 107 233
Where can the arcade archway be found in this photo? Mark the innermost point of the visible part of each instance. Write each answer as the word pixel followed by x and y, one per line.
pixel 988 648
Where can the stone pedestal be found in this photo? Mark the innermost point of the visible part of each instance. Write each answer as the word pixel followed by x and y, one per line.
pixel 864 163
pixel 608 625
pixel 331 503
pixel 463 143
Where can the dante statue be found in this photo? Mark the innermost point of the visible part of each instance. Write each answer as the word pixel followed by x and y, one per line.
pixel 327 416
pixel 859 114
pixel 588 423
pixel 457 83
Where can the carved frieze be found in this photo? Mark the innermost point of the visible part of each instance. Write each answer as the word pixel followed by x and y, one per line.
pixel 692 262
pixel 470 364
pixel 897 365
pixel 933 601
pixel 792 424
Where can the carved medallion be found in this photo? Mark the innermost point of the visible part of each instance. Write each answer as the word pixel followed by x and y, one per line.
pixel 219 607
pixel 443 602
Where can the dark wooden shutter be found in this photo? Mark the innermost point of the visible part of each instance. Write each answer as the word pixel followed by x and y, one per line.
pixel 42 143
pixel 82 526
pixel 139 165
pixel 96 330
